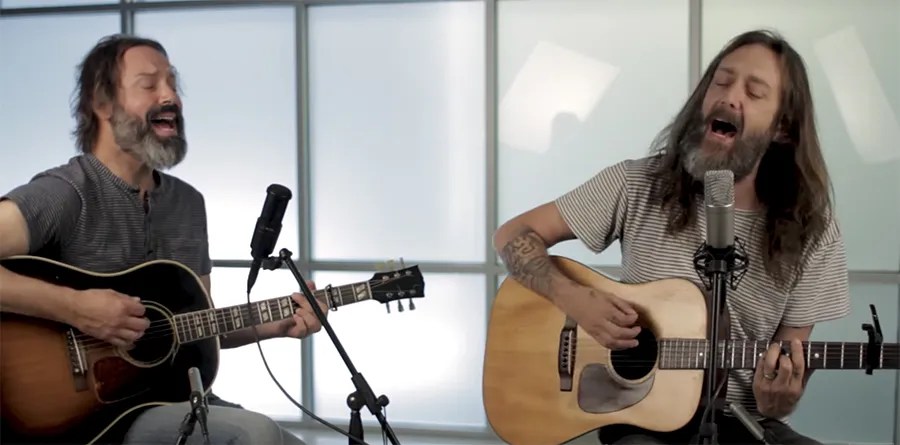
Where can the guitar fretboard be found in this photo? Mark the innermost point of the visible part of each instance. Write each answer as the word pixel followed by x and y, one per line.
pixel 200 325
pixel 744 354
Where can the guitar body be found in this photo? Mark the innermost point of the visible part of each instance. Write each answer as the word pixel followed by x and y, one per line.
pixel 58 383
pixel 546 381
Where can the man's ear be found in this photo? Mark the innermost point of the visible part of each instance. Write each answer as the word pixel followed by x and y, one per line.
pixel 102 106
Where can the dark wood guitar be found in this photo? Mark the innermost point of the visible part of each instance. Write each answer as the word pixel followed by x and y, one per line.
pixel 57 383
pixel 546 381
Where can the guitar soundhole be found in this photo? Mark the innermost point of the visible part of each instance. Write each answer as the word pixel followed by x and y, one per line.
pixel 159 338
pixel 635 363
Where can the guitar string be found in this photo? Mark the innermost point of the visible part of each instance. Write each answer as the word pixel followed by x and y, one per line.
pixel 162 328
pixel 375 287
pixel 684 356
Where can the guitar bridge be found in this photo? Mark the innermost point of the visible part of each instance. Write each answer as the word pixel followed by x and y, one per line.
pixel 568 339
pixel 76 360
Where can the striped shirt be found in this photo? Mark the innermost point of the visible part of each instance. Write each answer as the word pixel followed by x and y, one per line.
pixel 82 214
pixel 617 204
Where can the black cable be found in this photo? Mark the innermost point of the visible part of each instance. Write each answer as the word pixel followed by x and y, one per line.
pixel 297 404
pixel 715 397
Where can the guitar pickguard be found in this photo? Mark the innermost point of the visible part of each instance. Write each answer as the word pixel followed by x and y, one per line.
pixel 599 392
pixel 625 381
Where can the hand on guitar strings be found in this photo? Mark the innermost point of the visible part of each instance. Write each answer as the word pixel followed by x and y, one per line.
pixel 108 315
pixel 304 322
pixel 607 318
pixel 778 382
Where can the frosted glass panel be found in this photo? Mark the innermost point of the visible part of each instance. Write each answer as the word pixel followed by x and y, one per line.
pixel 41 3
pixel 850 406
pixel 397 129
pixel 852 52
pixel 242 377
pixel 427 361
pixel 583 84
pixel 39 58
pixel 237 69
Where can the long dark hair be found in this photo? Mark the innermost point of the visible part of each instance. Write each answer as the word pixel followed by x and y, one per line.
pixel 792 180
pixel 98 79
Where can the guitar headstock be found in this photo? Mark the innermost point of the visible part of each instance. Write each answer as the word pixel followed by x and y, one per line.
pixel 397 284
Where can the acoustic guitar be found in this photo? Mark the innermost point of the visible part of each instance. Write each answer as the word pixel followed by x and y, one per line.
pixel 546 381
pixel 59 384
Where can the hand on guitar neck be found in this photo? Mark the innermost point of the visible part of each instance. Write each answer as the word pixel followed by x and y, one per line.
pixel 304 322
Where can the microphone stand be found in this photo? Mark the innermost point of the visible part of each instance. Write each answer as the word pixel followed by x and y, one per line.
pixel 196 414
pixel 363 396
pixel 720 267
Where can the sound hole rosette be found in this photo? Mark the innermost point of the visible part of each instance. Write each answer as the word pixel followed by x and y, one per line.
pixel 635 365
pixel 159 342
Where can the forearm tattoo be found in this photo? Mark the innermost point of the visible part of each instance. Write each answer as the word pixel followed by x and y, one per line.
pixel 527 261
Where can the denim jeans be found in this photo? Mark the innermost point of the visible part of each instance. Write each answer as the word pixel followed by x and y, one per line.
pixel 228 424
pixel 731 432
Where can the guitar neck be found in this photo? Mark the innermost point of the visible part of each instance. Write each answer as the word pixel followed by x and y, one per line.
pixel 203 324
pixel 744 354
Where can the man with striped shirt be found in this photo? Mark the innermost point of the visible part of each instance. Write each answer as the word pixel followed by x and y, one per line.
pixel 752 114
pixel 112 208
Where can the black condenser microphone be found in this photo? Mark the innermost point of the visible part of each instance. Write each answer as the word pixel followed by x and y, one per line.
pixel 268 227
pixel 719 200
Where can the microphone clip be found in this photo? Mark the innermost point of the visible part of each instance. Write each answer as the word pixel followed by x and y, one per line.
pixel 272 263
pixel 731 262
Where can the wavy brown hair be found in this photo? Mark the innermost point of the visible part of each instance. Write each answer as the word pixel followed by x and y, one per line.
pixel 792 180
pixel 98 81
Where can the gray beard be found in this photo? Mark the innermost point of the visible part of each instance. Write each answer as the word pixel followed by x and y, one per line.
pixel 136 137
pixel 701 155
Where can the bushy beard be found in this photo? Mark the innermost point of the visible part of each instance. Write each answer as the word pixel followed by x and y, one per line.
pixel 136 137
pixel 700 154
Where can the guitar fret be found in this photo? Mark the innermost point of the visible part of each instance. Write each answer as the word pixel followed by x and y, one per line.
pixel 732 355
pixel 263 310
pixel 689 353
pixel 695 352
pixel 285 307
pixel 842 355
pixel 744 354
pixel 809 355
pixel 212 322
pixel 236 318
pixel 179 329
pixel 197 325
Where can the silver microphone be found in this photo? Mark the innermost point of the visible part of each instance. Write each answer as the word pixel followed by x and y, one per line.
pixel 718 188
pixel 752 425
pixel 197 386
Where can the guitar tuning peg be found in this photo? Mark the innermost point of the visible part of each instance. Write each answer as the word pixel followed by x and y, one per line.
pixel 412 305
pixel 388 307
pixel 399 306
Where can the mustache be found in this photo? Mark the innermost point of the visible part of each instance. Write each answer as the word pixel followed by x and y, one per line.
pixel 154 112
pixel 725 115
